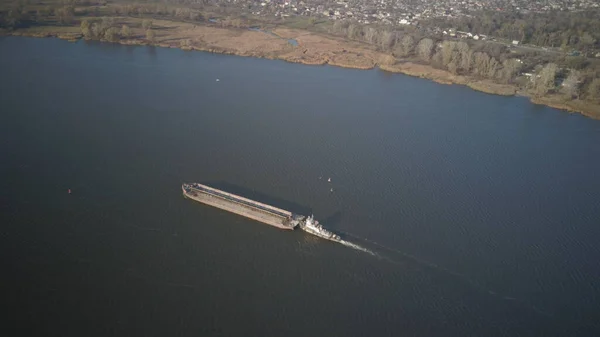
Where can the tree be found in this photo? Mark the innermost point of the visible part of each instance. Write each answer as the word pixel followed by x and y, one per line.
pixel 13 18
pixel 86 29
pixel 107 22
pixel 484 65
pixel 466 56
pixel 353 31
pixel 493 68
pixel 572 84
pixel 112 34
pixel 545 81
pixel 370 35
pixel 65 14
pixel 150 36
pixel 587 40
pixel 147 24
pixel 510 68
pixel 425 49
pixel 449 54
pixel 97 30
pixel 339 27
pixel 125 31
pixel 185 43
pixel 407 45
pixel 387 39
pixel 593 91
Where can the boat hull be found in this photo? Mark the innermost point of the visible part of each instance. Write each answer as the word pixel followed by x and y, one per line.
pixel 322 236
pixel 244 209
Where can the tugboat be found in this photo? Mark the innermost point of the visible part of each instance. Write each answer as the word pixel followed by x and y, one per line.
pixel 312 226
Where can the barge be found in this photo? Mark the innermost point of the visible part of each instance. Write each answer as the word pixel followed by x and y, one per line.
pixel 255 210
pixel 233 203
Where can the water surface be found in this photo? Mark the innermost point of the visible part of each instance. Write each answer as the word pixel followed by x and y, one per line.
pixel 483 210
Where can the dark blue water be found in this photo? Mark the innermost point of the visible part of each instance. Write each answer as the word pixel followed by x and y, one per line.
pixel 482 210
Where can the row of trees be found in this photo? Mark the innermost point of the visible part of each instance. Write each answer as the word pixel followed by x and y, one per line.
pixel 566 75
pixel 567 29
pixel 107 30
pixel 457 57
pixel 186 14
pixel 19 15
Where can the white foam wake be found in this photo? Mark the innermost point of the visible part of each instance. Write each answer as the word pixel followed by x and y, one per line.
pixel 357 247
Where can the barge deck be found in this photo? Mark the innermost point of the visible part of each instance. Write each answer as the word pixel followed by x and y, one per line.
pixel 255 210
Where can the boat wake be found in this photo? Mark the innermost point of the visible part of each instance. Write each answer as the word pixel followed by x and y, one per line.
pixel 357 247
pixel 463 277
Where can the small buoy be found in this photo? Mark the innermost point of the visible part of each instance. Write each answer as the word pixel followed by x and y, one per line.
pixel 69 191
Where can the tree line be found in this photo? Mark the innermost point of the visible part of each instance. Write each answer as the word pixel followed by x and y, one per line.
pixel 107 29
pixel 578 30
pixel 572 77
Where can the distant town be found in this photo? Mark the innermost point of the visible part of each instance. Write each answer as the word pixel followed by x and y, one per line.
pixel 512 21
pixel 394 12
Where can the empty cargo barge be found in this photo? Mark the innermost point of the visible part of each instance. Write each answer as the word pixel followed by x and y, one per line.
pixel 239 205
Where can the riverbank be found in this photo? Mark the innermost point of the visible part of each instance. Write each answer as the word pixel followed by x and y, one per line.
pixel 308 48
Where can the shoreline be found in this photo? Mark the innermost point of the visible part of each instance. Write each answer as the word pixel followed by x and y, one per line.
pixel 345 54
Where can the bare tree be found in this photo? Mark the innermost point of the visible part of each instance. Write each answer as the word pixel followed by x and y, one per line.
pixel 387 39
pixel 353 31
pixel 510 68
pixel 185 43
pixel 147 24
pixel 493 67
pixel 448 52
pixel 370 35
pixel 544 82
pixel 112 34
pixel 150 36
pixel 86 29
pixel 125 31
pixel 407 45
pixel 425 49
pixel 106 23
pixel 593 90
pixel 339 27
pixel 97 31
pixel 484 65
pixel 466 56
pixel 65 14
pixel 572 84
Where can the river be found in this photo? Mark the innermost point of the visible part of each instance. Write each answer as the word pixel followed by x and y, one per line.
pixel 481 211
